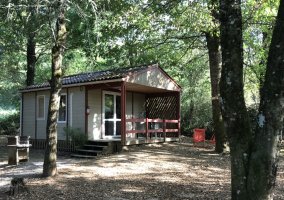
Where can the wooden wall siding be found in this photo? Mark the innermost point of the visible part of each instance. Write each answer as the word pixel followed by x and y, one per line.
pixel 129 105
pixel 162 107
pixel 41 123
pixel 95 117
pixel 156 78
pixel 62 145
pixel 36 128
pixel 138 105
pixel 134 109
pixel 129 111
pixel 29 116
pixel 77 120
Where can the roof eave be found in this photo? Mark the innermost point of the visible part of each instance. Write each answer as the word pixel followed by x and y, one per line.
pixel 73 85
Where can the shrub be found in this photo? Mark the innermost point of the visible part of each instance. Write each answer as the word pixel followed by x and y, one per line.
pixel 10 124
pixel 200 117
pixel 76 135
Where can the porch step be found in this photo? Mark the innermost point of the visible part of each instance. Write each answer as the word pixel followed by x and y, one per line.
pixel 94 148
pixel 82 156
pixel 89 152
pixel 99 143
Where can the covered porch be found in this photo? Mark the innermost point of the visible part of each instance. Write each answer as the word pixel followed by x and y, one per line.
pixel 159 123
pixel 134 114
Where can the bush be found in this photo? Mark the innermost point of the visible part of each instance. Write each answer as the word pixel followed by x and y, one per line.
pixel 10 124
pixel 200 117
pixel 76 135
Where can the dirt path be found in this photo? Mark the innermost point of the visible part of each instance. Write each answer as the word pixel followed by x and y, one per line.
pixel 168 171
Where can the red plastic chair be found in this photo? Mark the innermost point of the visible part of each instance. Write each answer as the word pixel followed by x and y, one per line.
pixel 198 135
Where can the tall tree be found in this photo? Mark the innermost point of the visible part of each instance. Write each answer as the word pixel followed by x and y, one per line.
pixel 264 154
pixel 231 89
pixel 214 54
pixel 31 50
pixel 253 155
pixel 50 157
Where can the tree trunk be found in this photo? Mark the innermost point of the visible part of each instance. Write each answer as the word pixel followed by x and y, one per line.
pixel 232 95
pixel 263 61
pixel 31 48
pixel 49 166
pixel 31 58
pixel 190 112
pixel 264 155
pixel 213 46
pixel 254 157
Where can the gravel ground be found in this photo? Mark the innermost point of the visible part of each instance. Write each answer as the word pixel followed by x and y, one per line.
pixel 152 172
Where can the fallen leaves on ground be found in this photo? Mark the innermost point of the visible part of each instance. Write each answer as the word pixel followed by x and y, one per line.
pixel 156 171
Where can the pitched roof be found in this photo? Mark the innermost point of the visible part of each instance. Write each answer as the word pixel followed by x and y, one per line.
pixel 94 76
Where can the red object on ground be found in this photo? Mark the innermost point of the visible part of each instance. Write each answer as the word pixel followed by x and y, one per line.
pixel 198 135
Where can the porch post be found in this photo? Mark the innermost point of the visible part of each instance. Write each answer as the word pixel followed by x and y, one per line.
pixel 123 117
pixel 146 129
pixel 178 113
pixel 164 129
pixel 85 114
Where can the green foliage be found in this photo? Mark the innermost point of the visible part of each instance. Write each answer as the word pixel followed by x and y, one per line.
pixel 76 135
pixel 258 24
pixel 10 123
pixel 196 103
pixel 11 79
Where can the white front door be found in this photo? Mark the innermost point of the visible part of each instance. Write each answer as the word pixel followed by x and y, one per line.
pixel 111 115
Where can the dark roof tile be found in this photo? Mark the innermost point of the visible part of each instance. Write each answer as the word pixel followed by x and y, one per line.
pixel 94 76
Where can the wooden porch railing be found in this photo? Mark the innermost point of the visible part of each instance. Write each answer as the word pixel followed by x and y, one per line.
pixel 150 128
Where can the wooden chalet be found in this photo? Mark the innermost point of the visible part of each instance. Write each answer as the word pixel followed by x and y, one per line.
pixel 133 105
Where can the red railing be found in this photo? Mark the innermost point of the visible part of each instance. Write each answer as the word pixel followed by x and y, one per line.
pixel 150 126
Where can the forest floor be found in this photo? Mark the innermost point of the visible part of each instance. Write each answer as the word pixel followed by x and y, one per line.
pixel 152 172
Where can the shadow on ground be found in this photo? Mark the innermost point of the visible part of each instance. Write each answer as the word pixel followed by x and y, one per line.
pixel 168 171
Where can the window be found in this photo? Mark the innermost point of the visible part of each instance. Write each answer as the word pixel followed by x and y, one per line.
pixel 40 107
pixel 62 109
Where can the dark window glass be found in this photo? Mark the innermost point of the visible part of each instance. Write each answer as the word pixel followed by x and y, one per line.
pixel 62 109
pixel 118 107
pixel 118 128
pixel 109 128
pixel 109 106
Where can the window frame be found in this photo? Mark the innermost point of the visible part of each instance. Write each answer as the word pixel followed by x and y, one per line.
pixel 114 119
pixel 37 107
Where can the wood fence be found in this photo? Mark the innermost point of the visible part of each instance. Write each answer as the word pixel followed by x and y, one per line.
pixel 62 145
